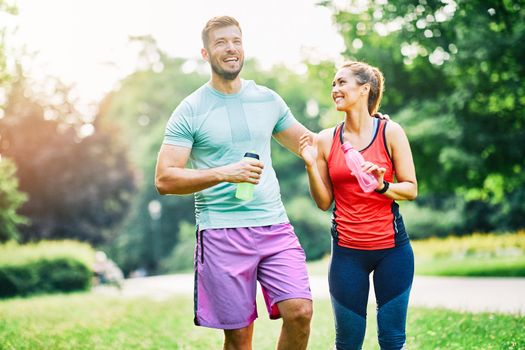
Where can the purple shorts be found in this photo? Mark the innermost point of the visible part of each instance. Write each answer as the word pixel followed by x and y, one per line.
pixel 229 262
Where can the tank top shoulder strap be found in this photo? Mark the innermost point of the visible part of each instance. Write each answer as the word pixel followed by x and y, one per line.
pixel 337 128
pixel 335 139
pixel 381 136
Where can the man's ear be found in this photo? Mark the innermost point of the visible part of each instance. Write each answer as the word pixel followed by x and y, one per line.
pixel 204 54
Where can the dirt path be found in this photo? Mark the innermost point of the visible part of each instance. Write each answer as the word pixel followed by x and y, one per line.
pixel 505 295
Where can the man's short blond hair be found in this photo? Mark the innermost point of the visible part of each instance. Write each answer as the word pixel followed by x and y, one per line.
pixel 215 23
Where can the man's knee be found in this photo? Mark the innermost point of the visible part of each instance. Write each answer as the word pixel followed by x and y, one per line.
pixel 299 312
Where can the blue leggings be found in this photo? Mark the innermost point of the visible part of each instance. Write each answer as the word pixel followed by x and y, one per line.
pixel 349 286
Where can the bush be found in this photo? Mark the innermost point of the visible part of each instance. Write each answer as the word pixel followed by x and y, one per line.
pixel 45 267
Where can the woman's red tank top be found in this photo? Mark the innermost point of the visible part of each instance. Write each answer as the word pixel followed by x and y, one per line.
pixel 362 220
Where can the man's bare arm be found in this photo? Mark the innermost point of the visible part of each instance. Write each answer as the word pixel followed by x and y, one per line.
pixel 290 137
pixel 172 176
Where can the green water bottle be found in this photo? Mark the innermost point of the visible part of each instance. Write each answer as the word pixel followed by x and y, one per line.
pixel 245 189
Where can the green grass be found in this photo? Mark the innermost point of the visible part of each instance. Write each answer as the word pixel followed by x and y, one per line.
pixel 91 321
pixel 475 255
pixel 474 267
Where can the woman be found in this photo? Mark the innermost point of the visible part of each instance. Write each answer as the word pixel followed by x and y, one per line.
pixel 368 231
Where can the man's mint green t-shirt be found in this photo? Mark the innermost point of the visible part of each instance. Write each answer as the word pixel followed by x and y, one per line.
pixel 219 128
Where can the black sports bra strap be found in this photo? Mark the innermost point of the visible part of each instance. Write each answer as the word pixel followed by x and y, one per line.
pixel 377 124
pixel 341 133
pixel 335 129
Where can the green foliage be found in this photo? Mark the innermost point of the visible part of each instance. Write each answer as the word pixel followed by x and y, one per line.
pixel 44 276
pixel 46 267
pixel 79 186
pixel 454 73
pixel 12 253
pixel 141 108
pixel 10 197
pixel 181 257
pixel 311 225
pixel 7 8
pixel 10 200
pixel 107 323
pixel 423 221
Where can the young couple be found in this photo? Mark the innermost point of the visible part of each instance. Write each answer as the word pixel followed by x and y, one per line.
pixel 240 242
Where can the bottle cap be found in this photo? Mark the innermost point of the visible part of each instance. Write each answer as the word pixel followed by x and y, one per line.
pixel 251 155
pixel 346 146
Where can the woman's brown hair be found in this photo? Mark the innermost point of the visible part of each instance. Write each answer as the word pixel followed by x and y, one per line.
pixel 367 74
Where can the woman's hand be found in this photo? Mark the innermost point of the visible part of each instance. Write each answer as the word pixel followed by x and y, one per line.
pixel 308 148
pixel 377 171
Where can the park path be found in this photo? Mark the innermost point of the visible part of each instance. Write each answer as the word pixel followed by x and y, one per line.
pixel 505 295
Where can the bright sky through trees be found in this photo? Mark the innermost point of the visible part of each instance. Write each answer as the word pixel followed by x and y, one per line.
pixel 86 42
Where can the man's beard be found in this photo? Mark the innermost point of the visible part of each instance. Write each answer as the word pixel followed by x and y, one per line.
pixel 225 74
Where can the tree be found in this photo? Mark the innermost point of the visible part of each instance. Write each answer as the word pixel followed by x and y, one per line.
pixel 6 8
pixel 10 197
pixel 454 72
pixel 79 184
pixel 10 200
pixel 141 108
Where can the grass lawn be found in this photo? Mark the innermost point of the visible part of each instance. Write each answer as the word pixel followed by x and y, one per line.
pixel 92 321
pixel 474 255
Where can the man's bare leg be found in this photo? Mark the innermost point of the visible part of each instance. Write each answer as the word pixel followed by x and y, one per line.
pixel 296 314
pixel 238 339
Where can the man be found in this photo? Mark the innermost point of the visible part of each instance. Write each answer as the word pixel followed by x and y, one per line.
pixel 238 241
